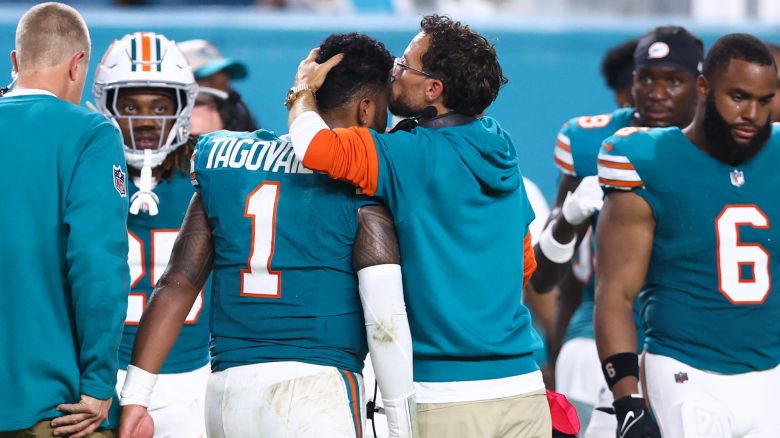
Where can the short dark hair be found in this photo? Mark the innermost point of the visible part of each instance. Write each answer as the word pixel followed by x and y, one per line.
pixel 365 69
pixel 465 62
pixel 618 63
pixel 742 46
pixel 773 47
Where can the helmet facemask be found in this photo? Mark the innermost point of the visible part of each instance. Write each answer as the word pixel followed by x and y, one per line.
pixel 171 131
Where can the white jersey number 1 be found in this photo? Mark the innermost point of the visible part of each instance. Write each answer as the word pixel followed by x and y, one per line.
pixel 258 280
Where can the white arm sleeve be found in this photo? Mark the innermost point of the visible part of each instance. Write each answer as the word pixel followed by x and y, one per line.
pixel 302 131
pixel 390 344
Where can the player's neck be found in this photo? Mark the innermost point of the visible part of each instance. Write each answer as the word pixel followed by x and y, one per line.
pixel 696 134
pixel 340 117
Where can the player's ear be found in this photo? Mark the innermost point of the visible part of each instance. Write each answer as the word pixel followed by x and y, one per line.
pixel 75 64
pixel 702 88
pixel 366 109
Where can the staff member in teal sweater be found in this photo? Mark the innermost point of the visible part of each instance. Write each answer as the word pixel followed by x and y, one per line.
pixel 461 213
pixel 63 257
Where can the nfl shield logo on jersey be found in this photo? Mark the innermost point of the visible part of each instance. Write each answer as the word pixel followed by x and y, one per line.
pixel 681 377
pixel 737 178
pixel 119 181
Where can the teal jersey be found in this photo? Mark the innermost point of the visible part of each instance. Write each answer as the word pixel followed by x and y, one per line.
pixel 151 241
pixel 579 141
pixel 707 299
pixel 283 288
pixel 461 214
pixel 63 269
pixel 576 151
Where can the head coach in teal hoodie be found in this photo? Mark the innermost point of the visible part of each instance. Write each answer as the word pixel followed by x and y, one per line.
pixel 454 187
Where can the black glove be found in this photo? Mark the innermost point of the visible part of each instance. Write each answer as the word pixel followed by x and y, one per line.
pixel 633 418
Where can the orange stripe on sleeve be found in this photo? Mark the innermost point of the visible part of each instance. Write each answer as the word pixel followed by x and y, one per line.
pixel 529 260
pixel 563 164
pixel 563 145
pixel 618 183
pixel 346 154
pixel 614 165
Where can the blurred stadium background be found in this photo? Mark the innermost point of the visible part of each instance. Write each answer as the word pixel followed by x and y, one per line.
pixel 550 49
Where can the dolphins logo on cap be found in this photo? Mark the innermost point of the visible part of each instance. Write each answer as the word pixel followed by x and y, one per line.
pixel 657 50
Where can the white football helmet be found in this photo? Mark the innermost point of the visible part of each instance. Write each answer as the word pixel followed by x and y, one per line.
pixel 147 60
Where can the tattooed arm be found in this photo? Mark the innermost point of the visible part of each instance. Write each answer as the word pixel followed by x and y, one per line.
pixel 176 290
pixel 162 320
pixel 376 243
pixel 376 259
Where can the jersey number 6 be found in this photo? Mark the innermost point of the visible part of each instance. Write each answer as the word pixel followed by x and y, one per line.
pixel 734 256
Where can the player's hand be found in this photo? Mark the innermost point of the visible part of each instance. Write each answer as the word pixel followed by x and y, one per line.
pixel 81 418
pixel 586 200
pixel 633 418
pixel 309 72
pixel 135 422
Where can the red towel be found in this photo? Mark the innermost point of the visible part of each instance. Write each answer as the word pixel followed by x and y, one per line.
pixel 564 416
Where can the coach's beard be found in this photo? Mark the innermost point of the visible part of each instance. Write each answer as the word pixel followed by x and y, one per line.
pixel 400 108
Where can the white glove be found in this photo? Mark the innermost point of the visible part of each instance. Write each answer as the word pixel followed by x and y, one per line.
pixel 401 413
pixel 586 200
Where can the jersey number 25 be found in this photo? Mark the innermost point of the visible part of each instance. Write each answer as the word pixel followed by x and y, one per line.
pixel 162 246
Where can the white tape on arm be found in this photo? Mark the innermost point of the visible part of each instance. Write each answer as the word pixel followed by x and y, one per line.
pixel 390 343
pixel 303 130
pixel 138 387
pixel 555 251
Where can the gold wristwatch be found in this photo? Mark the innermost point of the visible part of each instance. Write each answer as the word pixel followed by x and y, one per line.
pixel 295 92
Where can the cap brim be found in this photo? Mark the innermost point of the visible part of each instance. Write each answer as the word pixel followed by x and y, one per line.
pixel 235 69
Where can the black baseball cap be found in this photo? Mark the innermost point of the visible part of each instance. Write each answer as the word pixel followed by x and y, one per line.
pixel 670 46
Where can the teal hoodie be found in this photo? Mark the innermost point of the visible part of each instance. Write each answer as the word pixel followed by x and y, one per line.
pixel 461 213
pixel 64 277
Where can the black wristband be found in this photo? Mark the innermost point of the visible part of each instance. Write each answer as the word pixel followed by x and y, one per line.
pixel 618 366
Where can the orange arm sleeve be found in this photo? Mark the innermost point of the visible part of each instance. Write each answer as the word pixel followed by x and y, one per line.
pixel 529 260
pixel 345 154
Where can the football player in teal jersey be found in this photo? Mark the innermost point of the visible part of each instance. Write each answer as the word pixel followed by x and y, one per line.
pixel 289 334
pixel 63 238
pixel 461 211
pixel 689 229
pixel 146 87
pixel 667 61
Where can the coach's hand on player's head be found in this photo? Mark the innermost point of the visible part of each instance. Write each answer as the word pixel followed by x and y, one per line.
pixel 312 73
pixel 633 418
pixel 135 422
pixel 81 418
